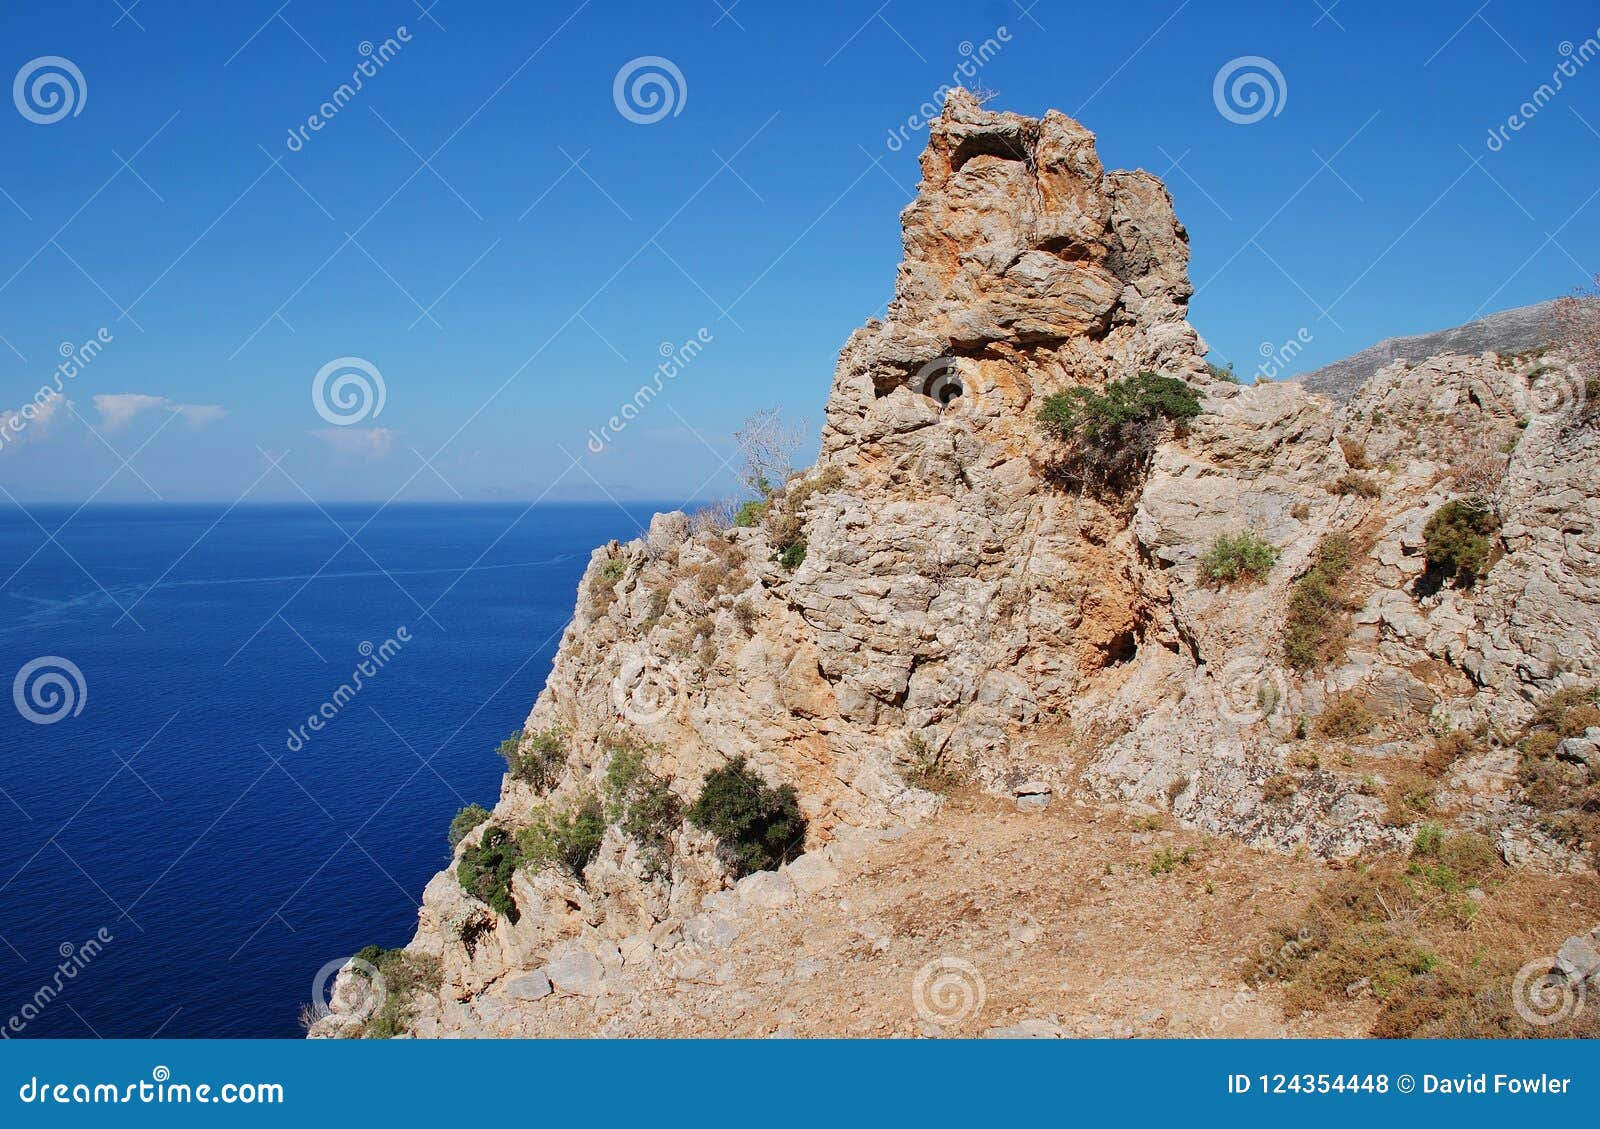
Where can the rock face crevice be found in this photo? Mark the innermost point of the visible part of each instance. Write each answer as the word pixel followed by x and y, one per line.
pixel 952 599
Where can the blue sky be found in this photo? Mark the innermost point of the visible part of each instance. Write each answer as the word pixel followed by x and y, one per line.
pixel 517 288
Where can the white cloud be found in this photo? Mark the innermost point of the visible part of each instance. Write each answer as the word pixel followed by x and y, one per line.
pixel 368 443
pixel 119 410
pixel 30 422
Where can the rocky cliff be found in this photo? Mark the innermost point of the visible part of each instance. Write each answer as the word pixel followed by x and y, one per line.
pixel 938 601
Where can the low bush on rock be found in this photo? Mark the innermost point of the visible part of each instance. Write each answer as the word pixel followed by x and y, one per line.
pixel 1355 485
pixel 1562 781
pixel 1458 542
pixel 1314 631
pixel 565 839
pixel 466 821
pixel 405 975
pixel 643 807
pixel 758 827
pixel 1346 715
pixel 485 871
pixel 1111 433
pixel 537 759
pixel 1237 557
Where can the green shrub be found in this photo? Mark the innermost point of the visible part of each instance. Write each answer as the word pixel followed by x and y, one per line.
pixel 1111 433
pixel 566 839
pixel 1314 631
pixel 1166 860
pixel 404 975
pixel 1459 539
pixel 466 820
pixel 758 827
pixel 536 759
pixel 1236 557
pixel 750 514
pixel 612 570
pixel 1223 373
pixel 643 807
pixel 929 770
pixel 485 871
pixel 792 557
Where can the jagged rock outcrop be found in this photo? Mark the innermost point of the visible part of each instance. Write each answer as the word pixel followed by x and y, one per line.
pixel 951 599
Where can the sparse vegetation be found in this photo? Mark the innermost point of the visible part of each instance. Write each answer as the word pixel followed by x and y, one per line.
pixel 1279 788
pixel 750 514
pixel 467 820
pixel 1458 541
pixel 404 974
pixel 643 807
pixel 1407 799
pixel 1565 790
pixel 1223 373
pixel 1314 632
pixel 537 759
pixel 758 827
pixel 1236 557
pixel 786 514
pixel 1166 860
pixel 1355 485
pixel 929 770
pixel 485 871
pixel 1110 434
pixel 1345 716
pixel 1355 452
pixel 566 839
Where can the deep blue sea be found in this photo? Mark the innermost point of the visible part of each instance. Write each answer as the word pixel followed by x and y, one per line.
pixel 169 811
